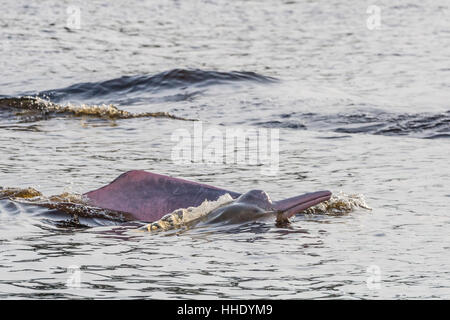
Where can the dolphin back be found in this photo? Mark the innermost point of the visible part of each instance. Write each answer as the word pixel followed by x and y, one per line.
pixel 149 196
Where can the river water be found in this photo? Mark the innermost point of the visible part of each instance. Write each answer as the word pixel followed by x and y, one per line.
pixel 90 90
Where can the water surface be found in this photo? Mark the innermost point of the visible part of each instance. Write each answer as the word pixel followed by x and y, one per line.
pixel 359 111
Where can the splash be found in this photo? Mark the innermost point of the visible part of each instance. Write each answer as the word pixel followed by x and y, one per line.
pixel 34 109
pixel 71 203
pixel 182 217
pixel 339 204
pixel 26 193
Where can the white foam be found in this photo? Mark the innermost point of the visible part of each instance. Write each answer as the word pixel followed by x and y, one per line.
pixel 183 216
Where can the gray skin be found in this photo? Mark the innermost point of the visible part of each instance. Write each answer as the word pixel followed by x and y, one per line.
pixel 251 206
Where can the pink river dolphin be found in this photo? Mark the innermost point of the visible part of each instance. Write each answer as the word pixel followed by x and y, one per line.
pixel 149 196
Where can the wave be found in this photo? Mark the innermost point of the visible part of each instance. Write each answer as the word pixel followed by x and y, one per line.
pixel 66 209
pixel 30 109
pixel 128 85
pixel 420 125
pixel 100 99
pixel 339 204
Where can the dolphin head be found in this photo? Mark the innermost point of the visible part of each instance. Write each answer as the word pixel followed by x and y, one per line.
pixel 256 204
pixel 258 198
pixel 249 206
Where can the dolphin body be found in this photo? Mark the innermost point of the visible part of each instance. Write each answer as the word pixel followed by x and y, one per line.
pixel 149 196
